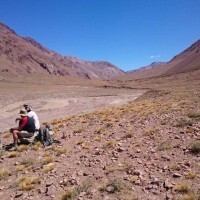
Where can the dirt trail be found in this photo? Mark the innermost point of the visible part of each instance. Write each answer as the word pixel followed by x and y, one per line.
pixel 62 102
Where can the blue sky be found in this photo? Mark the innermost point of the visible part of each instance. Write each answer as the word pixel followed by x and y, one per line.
pixel 127 33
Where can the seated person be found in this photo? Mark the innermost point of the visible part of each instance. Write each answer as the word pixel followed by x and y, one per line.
pixel 26 128
pixel 31 114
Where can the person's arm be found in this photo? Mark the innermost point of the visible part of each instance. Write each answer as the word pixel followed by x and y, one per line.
pixel 18 118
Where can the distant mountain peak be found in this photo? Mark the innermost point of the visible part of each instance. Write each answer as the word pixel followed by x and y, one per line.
pixel 150 66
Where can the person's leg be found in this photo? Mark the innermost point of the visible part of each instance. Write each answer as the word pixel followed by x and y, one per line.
pixel 16 135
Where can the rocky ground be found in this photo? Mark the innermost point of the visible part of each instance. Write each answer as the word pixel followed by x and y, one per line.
pixel 144 149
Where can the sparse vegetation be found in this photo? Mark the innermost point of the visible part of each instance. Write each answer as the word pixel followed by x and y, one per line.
pixel 133 179
pixel 27 162
pixel 128 135
pixel 195 147
pixel 112 186
pixel 49 167
pixel 36 146
pixel 73 193
pixel 85 145
pixel 7 134
pixel 4 173
pixel 13 154
pixel 164 146
pixel 110 144
pixel 182 188
pixel 22 147
pixel 28 183
pixel 47 160
pixel 152 132
pixel 60 150
pixel 78 130
pixel 194 115
pixel 191 175
pixel 183 122
pixel 20 167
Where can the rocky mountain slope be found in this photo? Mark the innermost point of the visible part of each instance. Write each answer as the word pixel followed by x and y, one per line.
pixel 24 56
pixel 186 61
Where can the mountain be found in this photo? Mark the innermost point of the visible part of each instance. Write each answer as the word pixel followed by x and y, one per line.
pixel 186 61
pixel 21 56
pixel 154 69
pixel 151 66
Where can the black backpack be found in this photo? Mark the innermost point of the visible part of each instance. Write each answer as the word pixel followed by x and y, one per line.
pixel 44 137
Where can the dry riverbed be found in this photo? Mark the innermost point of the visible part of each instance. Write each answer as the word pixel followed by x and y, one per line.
pixel 57 101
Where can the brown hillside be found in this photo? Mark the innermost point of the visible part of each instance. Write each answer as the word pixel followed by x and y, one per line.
pixel 186 61
pixel 24 56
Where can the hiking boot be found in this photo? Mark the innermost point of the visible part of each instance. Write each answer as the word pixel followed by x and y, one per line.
pixel 14 148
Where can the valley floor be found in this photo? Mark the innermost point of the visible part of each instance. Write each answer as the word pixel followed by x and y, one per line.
pixel 141 149
pixel 56 101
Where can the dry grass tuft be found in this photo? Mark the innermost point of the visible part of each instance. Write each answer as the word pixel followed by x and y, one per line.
pixel 73 193
pixel 97 138
pixel 183 122
pixel 114 186
pixel 7 134
pixel 80 142
pixel 182 188
pixel 60 150
pixel 78 130
pixel 151 132
pixel 68 194
pixel 99 130
pixel 137 143
pixel 36 146
pixel 165 146
pixel 47 160
pixel 22 147
pixel 195 147
pixel 133 179
pixel 4 173
pixel 191 175
pixel 85 145
pixel 13 154
pixel 28 183
pixel 27 162
pixel 194 115
pixel 128 135
pixel 1 153
pixel 175 167
pixel 20 167
pixel 49 167
pixel 110 144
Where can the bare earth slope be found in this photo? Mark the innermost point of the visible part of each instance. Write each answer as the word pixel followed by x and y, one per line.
pixel 24 56
pixel 186 61
pixel 145 149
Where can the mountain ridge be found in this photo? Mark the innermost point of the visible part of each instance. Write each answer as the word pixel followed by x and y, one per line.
pixel 186 61
pixel 21 56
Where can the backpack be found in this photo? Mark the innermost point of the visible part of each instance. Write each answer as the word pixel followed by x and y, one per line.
pixel 44 137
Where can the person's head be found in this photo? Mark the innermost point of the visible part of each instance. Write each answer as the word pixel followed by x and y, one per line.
pixel 23 113
pixel 27 107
